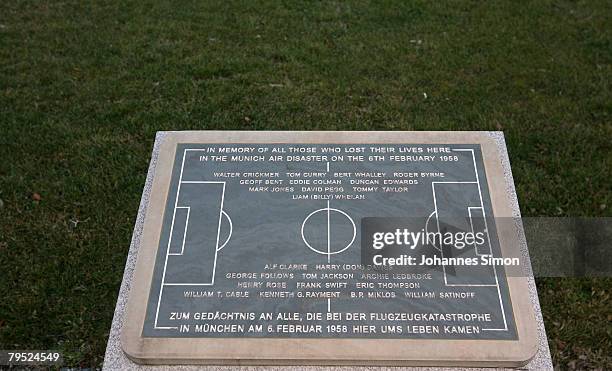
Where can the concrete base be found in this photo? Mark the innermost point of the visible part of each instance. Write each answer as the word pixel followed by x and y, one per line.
pixel 115 358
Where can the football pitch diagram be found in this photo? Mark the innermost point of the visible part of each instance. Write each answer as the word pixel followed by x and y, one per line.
pixel 265 233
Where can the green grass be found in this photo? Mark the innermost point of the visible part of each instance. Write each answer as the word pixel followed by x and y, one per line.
pixel 84 87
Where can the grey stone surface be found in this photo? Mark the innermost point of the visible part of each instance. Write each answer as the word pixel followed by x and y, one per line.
pixel 115 359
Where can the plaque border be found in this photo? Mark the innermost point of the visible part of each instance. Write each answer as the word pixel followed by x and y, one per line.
pixel 312 351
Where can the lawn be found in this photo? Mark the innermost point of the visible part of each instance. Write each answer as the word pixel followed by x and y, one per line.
pixel 84 86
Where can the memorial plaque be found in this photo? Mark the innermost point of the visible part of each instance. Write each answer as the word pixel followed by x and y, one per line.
pixel 381 248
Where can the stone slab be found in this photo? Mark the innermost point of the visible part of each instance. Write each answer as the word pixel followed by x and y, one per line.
pixel 149 340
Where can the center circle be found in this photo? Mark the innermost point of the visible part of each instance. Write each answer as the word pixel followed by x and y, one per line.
pixel 328 231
